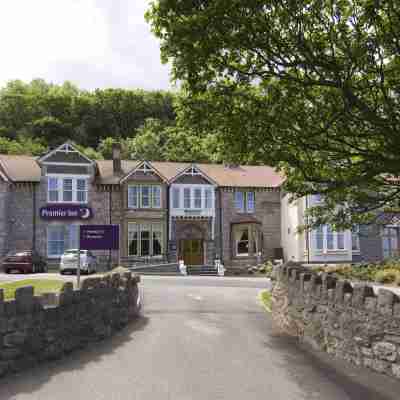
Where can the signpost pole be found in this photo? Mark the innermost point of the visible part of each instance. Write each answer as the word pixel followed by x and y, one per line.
pixel 78 271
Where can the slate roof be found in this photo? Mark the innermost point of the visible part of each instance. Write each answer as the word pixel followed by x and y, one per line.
pixel 26 169
pixel 20 168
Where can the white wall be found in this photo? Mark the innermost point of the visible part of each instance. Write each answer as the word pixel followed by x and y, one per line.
pixel 294 244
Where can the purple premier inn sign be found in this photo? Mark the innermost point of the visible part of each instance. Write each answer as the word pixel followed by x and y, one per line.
pixel 99 237
pixel 66 211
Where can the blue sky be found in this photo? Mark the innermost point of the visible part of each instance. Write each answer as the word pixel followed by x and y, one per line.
pixel 92 43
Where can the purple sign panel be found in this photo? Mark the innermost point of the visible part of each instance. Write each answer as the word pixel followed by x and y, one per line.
pixel 99 237
pixel 66 211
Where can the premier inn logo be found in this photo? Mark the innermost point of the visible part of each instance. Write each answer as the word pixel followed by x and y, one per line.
pixel 66 212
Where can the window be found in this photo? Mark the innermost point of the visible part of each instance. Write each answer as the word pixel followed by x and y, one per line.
pixel 245 201
pixel 325 238
pixel 239 201
pixel 133 239
pixel 319 238
pixel 156 196
pixel 53 189
pixel 390 242
pixel 187 198
pixel 250 202
pixel 243 243
pixel 61 238
pixel 133 197
pixel 81 190
pixel 157 239
pixel 197 198
pixel 144 196
pixel 208 198
pixel 67 190
pixel 355 238
pixel 176 193
pixel 145 239
pixel 330 238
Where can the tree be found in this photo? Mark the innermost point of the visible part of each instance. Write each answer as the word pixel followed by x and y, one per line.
pixel 310 87
pixel 149 141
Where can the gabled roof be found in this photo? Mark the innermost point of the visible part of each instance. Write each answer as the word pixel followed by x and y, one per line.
pixel 194 169
pixel 146 166
pixel 27 169
pixel 67 153
pixel 20 168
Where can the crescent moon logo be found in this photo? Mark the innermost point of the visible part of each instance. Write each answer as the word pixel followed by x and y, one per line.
pixel 85 213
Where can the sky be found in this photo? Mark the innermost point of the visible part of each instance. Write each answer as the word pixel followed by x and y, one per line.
pixel 92 43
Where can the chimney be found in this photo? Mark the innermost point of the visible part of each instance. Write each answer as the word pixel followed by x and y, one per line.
pixel 116 155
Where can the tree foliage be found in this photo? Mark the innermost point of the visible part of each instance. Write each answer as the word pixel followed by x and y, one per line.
pixel 311 87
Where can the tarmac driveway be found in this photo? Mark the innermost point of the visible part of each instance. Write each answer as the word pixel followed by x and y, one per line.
pixel 199 338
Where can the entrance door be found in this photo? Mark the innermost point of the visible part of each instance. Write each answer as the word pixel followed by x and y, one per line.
pixel 192 251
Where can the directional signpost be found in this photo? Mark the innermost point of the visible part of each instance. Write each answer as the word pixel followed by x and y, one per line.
pixel 97 237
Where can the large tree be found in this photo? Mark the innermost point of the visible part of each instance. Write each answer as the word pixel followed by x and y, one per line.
pixel 309 86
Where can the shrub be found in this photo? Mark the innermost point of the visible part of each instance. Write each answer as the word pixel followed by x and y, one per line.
pixel 387 276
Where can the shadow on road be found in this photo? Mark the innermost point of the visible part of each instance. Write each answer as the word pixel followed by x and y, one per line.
pixel 31 380
pixel 356 382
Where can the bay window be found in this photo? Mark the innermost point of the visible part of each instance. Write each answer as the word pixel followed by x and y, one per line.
pixel 67 189
pixel 246 240
pixel 144 196
pixel 187 202
pixel 145 239
pixel 197 198
pixel 327 239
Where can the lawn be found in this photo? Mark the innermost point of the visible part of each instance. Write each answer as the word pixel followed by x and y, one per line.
pixel 265 299
pixel 39 286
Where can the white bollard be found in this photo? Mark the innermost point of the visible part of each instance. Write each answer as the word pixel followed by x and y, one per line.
pixel 220 268
pixel 182 267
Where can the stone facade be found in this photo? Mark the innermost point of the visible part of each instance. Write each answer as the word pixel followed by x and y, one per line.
pixel 266 217
pixel 34 329
pixel 347 321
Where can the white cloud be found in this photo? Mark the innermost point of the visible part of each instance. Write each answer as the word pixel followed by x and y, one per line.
pixel 93 43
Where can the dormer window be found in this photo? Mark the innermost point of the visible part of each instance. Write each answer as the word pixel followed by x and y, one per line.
pixel 67 189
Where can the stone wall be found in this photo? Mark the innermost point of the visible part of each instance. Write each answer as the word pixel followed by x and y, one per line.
pixel 34 329
pixel 345 320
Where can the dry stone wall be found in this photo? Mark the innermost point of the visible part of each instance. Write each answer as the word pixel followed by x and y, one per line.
pixel 34 329
pixel 345 320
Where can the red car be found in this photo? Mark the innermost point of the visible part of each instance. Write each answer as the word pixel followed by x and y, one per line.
pixel 25 262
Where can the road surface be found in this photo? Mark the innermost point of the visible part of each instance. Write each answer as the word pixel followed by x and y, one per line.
pixel 199 338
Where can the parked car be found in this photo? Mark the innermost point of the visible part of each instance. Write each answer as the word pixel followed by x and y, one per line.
pixel 69 261
pixel 24 262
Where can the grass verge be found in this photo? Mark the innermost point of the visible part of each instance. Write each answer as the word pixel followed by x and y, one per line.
pixel 265 298
pixel 39 286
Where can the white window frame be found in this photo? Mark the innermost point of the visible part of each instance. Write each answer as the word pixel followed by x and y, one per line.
pixel 68 241
pixel 139 196
pixel 335 237
pixel 245 204
pixel 60 188
pixel 153 227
